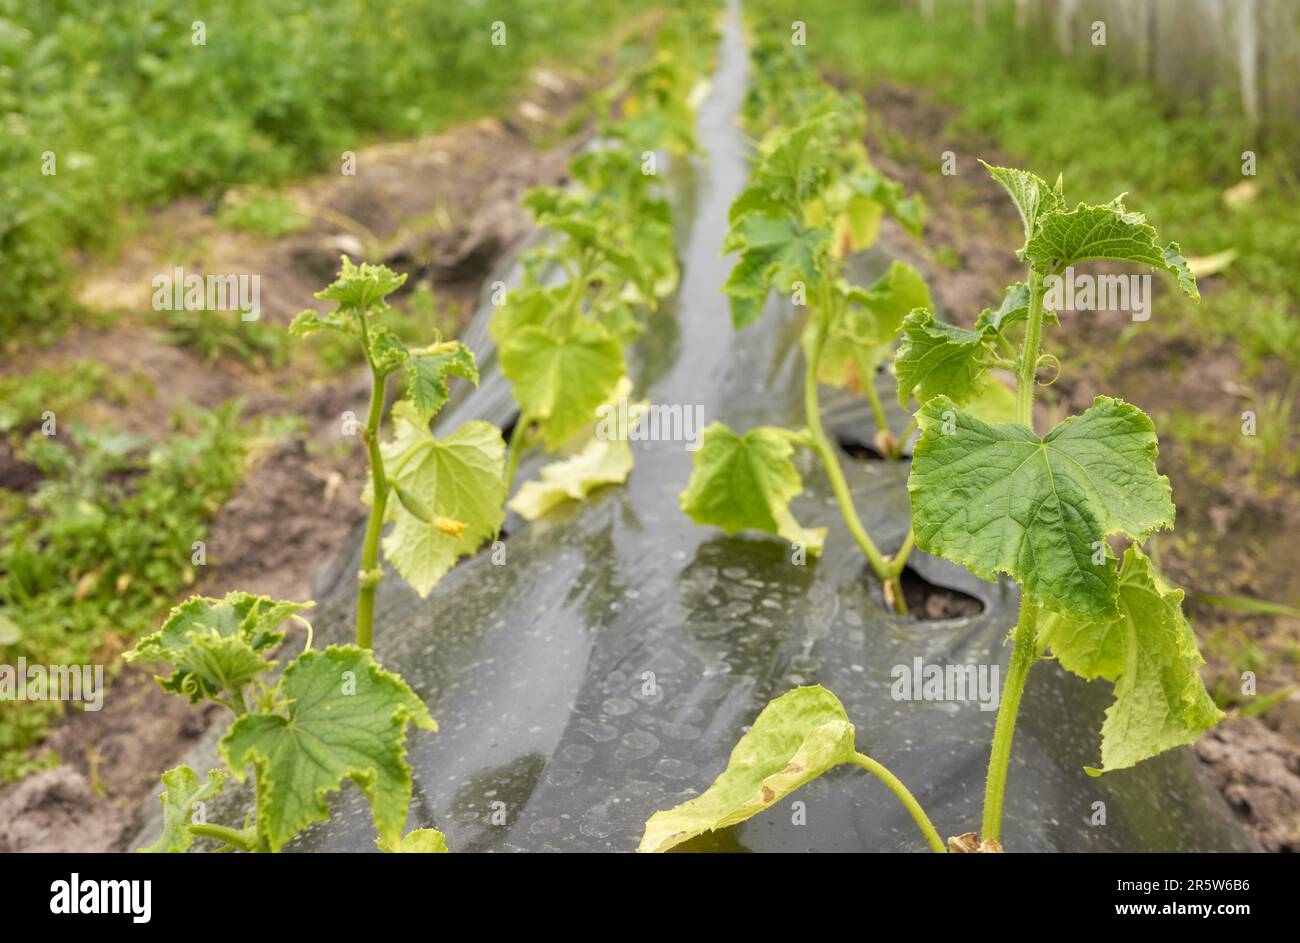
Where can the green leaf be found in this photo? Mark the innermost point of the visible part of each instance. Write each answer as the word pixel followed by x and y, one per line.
pixel 1149 652
pixel 182 790
pixel 936 358
pixel 859 341
pixel 310 321
pixel 421 841
pixel 453 479
pixel 774 253
pixel 796 738
pixel 361 288
pixel 427 373
pixel 1104 232
pixel 998 499
pixel 343 717
pixel 216 646
pixel 560 379
pixel 746 483
pixel 1031 194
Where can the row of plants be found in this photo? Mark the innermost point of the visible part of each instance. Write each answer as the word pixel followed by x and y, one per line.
pixel 995 497
pixel 813 199
pixel 335 715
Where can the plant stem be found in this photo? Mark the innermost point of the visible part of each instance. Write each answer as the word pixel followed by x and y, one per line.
pixel 1022 659
pixel 904 796
pixel 878 411
pixel 368 579
pixel 1025 378
pixel 232 837
pixel 518 438
pixel 823 448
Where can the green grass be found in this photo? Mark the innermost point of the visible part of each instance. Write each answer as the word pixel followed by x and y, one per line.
pixel 93 556
pixel 136 114
pixel 1107 133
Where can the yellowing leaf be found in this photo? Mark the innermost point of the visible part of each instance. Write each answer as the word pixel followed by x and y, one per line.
pixel 1149 651
pixel 796 738
pixel 456 480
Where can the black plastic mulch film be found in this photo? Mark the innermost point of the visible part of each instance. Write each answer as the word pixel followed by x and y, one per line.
pixel 536 670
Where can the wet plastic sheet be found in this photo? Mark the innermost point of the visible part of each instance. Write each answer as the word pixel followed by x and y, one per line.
pixel 606 669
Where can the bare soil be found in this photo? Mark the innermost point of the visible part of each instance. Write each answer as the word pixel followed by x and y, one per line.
pixel 1235 526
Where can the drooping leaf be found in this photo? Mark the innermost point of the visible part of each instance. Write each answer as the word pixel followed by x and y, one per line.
pixel 343 718
pixel 998 499
pixel 746 483
pixel 795 739
pixel 606 459
pixel 1149 651
pixel 1064 238
pixel 216 646
pixel 181 791
pixel 428 841
pixel 774 254
pixel 427 373
pixel 939 359
pixel 560 379
pixel 453 479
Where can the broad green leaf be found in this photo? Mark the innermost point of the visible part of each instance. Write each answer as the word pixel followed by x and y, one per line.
pixel 859 341
pixel 453 479
pixel 361 288
pixel 994 402
pixel 746 483
pixel 604 460
pixel 427 373
pixel 428 841
pixel 774 253
pixel 1104 232
pixel 998 499
pixel 527 305
pixel 560 379
pixel 939 359
pixel 1149 652
pixel 343 717
pixel 216 646
pixel 796 738
pixel 1031 194
pixel 182 790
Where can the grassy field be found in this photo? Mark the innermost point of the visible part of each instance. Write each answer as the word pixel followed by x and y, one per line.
pixel 109 107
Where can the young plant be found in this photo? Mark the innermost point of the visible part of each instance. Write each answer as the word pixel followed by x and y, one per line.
pixel 336 715
pixel 1000 499
pixel 813 198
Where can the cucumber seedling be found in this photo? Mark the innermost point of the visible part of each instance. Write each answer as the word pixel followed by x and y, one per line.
pixel 1000 499
pixel 812 199
pixel 336 715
